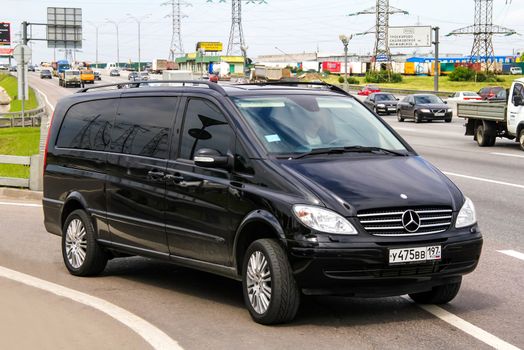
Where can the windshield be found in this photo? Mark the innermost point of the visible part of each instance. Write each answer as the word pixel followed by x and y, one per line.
pixel 382 97
pixel 72 73
pixel 427 99
pixel 301 123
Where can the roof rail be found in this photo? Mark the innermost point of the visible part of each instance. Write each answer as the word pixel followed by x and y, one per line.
pixel 136 84
pixel 297 83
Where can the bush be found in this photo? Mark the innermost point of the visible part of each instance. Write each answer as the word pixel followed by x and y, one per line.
pixel 383 76
pixel 341 79
pixel 352 80
pixel 462 74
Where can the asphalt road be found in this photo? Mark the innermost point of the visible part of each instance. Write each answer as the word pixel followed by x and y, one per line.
pixel 200 310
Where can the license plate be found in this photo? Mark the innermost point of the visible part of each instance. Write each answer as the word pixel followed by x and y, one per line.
pixel 392 109
pixel 418 254
pixel 440 114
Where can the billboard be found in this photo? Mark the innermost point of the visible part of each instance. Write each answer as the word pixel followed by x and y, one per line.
pixel 64 27
pixel 6 51
pixel 415 36
pixel 5 33
pixel 333 67
pixel 209 46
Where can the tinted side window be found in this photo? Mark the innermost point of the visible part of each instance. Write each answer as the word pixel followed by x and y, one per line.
pixel 518 89
pixel 204 127
pixel 87 125
pixel 142 126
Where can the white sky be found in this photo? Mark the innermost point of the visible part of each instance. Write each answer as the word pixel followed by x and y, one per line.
pixel 291 25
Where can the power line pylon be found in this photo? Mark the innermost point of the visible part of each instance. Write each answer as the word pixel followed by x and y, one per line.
pixel 176 15
pixel 236 44
pixel 382 11
pixel 483 30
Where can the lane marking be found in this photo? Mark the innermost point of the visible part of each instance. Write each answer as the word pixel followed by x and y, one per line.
pixel 512 253
pixel 465 326
pixel 484 180
pixel 152 335
pixel 506 154
pixel 45 97
pixel 22 204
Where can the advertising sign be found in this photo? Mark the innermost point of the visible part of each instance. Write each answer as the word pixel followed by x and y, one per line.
pixel 5 33
pixel 209 46
pixel 64 28
pixel 415 36
pixel 333 67
pixel 6 51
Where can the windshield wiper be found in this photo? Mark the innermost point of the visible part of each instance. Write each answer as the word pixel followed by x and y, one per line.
pixel 349 149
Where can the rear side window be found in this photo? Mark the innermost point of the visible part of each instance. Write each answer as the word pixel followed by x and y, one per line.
pixel 142 126
pixel 87 125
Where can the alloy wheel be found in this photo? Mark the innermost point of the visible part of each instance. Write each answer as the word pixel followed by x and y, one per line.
pixel 76 243
pixel 259 282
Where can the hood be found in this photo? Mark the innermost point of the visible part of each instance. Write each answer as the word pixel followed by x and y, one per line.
pixel 433 105
pixel 377 181
pixel 387 102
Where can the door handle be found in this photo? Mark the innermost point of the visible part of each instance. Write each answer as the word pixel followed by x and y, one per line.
pixel 177 178
pixel 155 175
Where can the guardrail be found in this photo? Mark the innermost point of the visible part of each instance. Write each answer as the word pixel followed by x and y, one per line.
pixel 35 172
pixel 32 117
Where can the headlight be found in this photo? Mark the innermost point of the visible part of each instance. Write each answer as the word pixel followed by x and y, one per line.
pixel 425 110
pixel 381 105
pixel 450 109
pixel 466 215
pixel 323 220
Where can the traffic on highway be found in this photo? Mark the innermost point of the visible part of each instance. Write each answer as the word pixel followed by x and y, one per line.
pixel 363 195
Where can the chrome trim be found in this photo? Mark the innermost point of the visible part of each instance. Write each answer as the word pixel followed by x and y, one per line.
pixel 379 221
pixel 434 211
pixel 436 218
pixel 385 228
pixel 436 225
pixel 380 214
pixel 408 234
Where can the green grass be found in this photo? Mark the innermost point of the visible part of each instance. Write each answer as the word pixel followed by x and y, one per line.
pixel 10 84
pixel 18 142
pixel 426 83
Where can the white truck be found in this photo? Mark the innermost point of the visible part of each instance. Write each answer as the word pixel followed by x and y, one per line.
pixel 486 121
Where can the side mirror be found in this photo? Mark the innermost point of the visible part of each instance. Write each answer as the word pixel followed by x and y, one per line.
pixel 396 98
pixel 451 95
pixel 517 100
pixel 210 158
pixel 446 102
pixel 411 103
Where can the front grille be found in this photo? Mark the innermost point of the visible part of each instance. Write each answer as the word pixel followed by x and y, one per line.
pixel 388 222
pixel 438 111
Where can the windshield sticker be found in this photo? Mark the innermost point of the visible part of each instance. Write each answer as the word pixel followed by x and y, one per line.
pixel 272 138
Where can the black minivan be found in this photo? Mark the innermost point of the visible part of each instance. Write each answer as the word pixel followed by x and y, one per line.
pixel 291 189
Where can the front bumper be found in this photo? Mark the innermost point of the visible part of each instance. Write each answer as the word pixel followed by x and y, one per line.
pixel 432 116
pixel 387 110
pixel 364 270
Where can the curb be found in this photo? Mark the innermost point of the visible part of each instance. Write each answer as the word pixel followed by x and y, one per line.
pixel 20 194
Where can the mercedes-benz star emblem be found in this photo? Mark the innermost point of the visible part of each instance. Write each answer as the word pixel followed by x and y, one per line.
pixel 411 221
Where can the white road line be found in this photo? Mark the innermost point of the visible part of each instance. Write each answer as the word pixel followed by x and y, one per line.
pixel 507 154
pixel 512 253
pixel 22 204
pixel 46 99
pixel 466 327
pixel 484 180
pixel 154 336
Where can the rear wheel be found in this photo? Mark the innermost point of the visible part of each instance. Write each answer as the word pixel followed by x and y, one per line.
pixel 484 139
pixel 438 295
pixel 82 254
pixel 270 291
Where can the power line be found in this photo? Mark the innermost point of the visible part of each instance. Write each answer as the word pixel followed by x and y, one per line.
pixel 176 15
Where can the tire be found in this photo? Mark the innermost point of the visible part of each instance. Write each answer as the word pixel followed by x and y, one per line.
pixel 417 118
pixel 265 257
pixel 399 116
pixel 521 139
pixel 86 257
pixel 448 120
pixel 438 295
pixel 376 111
pixel 483 139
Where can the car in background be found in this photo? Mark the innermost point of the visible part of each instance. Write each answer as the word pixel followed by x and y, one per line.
pixel 213 78
pixel 31 68
pixel 420 107
pixel 114 73
pixel 382 103
pixel 12 69
pixel 368 90
pixel 501 96
pixel 87 76
pixel 489 92
pixel 465 96
pixel 46 74
pixel 133 76
pixel 97 75
pixel 4 66
pixel 143 76
pixel 515 71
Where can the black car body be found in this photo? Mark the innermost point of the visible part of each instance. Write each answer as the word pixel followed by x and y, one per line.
pixel 46 74
pixel 423 107
pixel 228 179
pixel 382 103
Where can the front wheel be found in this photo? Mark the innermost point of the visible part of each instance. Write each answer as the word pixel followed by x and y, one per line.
pixel 270 292
pixel 521 139
pixel 399 116
pixel 417 118
pixel 438 295
pixel 82 254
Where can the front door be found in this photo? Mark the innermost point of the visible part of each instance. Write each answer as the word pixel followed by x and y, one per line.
pixel 515 113
pixel 197 215
pixel 137 161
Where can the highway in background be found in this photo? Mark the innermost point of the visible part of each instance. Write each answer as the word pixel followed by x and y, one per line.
pixel 200 310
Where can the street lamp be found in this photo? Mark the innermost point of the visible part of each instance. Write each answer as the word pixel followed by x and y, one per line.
pixel 117 42
pixel 138 20
pixel 345 41
pixel 96 27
